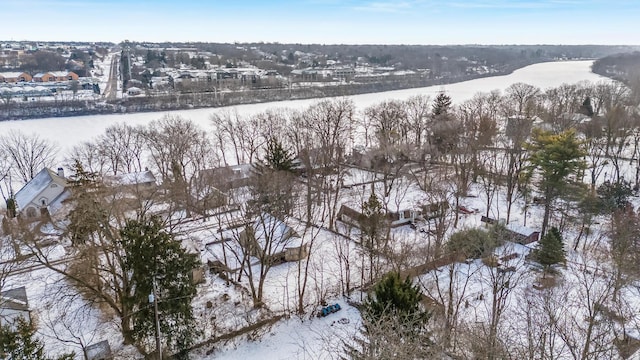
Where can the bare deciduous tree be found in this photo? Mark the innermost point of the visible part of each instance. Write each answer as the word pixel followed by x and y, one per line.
pixel 28 153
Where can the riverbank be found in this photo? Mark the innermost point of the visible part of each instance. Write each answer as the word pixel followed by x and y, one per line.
pixel 36 109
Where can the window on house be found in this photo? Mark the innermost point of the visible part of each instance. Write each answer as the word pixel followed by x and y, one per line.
pixel 54 186
pixel 43 202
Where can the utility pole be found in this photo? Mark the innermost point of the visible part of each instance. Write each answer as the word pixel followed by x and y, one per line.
pixel 153 298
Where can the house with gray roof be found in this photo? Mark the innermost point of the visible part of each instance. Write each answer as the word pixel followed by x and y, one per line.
pixel 44 193
pixel 270 238
pixel 133 181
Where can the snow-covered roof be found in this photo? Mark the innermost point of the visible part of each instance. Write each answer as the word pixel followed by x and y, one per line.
pixel 100 350
pixel 34 187
pixel 134 178
pixel 60 73
pixel 522 230
pixel 267 227
pixel 15 299
pixel 228 174
pixel 10 74
pixel 56 204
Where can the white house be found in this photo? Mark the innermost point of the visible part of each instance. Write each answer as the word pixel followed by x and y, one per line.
pixel 13 306
pixel 45 191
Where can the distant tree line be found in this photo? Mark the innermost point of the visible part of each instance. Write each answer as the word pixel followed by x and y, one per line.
pixel 623 67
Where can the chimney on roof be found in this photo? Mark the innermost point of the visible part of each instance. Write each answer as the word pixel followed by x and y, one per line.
pixel 61 172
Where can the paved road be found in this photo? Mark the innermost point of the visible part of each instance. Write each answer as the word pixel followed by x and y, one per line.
pixel 111 90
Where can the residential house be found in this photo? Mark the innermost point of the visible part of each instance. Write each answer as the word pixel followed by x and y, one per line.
pixel 224 74
pixel 354 217
pixel 228 177
pixel 65 75
pixel 44 77
pixel 270 238
pixel 350 216
pixel 43 194
pixel 14 305
pixel 403 217
pixel 14 77
pixel 132 182
pixel 185 76
pixel 628 344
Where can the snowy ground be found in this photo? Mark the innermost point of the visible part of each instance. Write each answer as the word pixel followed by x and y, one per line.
pixel 222 307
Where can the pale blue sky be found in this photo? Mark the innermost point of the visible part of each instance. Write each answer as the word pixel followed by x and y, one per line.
pixel 326 21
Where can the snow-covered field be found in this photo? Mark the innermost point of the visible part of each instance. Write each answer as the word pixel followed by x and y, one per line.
pixel 70 131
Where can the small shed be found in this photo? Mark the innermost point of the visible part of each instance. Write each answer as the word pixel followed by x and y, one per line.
pixel 522 234
pixel 99 351
pixel 350 216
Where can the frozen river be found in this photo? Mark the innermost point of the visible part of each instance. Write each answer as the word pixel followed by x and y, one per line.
pixel 69 131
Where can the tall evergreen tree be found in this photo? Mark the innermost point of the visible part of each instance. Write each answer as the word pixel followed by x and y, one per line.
pixel 441 105
pixel 550 250
pixel 557 157
pixel 445 129
pixel 394 323
pixel 587 108
pixel 154 256
pixel 614 196
pixel 395 296
pixel 373 231
pixel 88 215
pixel 277 158
pixel 11 206
pixel 372 223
